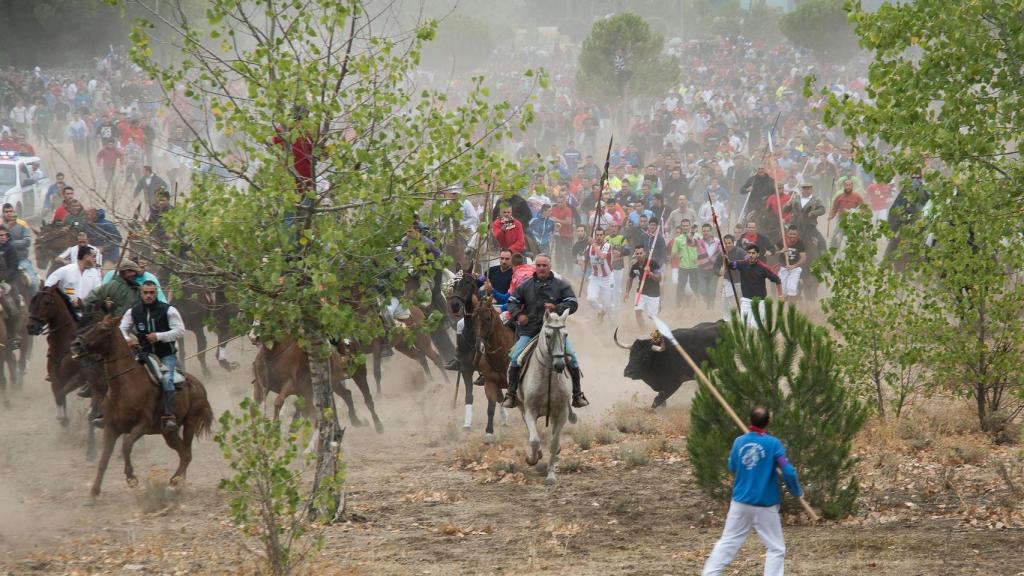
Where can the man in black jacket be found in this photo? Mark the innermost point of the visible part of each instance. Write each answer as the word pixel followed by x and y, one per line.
pixel 527 305
pixel 8 274
pixel 157 325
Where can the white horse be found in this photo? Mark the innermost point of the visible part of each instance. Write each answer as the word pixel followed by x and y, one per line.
pixel 546 391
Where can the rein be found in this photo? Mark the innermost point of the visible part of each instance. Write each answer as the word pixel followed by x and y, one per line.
pixel 550 370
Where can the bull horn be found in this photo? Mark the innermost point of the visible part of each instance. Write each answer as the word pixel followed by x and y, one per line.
pixel 615 337
pixel 658 347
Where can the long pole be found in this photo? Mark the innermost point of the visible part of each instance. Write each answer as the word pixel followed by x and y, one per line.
pixel 721 247
pixel 778 202
pixel 647 266
pixel 597 208
pixel 666 332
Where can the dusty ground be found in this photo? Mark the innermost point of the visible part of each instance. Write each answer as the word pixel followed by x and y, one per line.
pixel 427 499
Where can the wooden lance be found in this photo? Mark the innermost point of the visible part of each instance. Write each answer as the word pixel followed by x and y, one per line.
pixel 647 266
pixel 597 208
pixel 743 210
pixel 721 248
pixel 778 201
pixel 666 333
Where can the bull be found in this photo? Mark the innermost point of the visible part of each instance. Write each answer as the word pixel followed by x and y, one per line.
pixel 660 366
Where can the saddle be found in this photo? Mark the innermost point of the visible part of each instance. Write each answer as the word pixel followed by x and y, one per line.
pixel 527 354
pixel 156 369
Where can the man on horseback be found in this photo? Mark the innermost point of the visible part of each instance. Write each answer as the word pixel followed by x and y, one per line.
pixel 157 327
pixel 8 275
pixel 21 240
pixel 527 305
pixel 78 278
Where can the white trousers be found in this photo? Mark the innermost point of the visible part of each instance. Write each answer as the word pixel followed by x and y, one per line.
pixel 790 280
pixel 601 293
pixel 741 518
pixel 460 326
pixel 648 304
pixel 746 311
pixel 728 301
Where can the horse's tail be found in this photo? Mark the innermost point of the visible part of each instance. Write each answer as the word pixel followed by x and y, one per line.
pixel 201 413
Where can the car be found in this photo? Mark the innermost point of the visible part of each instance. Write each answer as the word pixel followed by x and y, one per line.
pixel 23 183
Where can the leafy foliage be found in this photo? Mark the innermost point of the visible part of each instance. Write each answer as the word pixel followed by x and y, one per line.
pixel 647 70
pixel 267 502
pixel 878 312
pixel 821 26
pixel 788 365
pixel 946 91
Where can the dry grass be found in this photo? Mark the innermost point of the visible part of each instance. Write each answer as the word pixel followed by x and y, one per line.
pixel 154 494
pixel 964 449
pixel 631 419
pixel 583 435
pixel 634 455
pixel 471 451
pixel 607 435
pixel 676 421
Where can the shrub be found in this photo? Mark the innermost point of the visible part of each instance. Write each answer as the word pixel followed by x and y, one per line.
pixel 634 455
pixel 583 435
pixel 632 420
pixel 607 435
pixel 787 365
pixel 267 502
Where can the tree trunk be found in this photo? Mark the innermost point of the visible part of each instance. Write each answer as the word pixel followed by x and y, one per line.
pixel 327 502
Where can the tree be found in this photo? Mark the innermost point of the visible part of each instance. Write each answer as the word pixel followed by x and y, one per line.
pixel 621 58
pixel 945 94
pixel 788 365
pixel 878 313
pixel 317 156
pixel 821 26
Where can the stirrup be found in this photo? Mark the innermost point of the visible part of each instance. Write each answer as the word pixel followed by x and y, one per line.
pixel 579 400
pixel 168 424
pixel 511 399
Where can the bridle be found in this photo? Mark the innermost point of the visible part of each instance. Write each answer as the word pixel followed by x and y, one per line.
pixel 550 338
pixel 47 327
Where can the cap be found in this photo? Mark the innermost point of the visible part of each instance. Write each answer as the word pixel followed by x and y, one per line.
pixel 129 266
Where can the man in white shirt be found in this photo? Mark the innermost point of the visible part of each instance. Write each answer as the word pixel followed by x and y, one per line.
pixel 78 278
pixel 601 286
pixel 71 254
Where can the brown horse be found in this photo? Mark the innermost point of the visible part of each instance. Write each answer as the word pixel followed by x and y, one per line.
pixel 7 361
pixel 284 369
pixel 51 240
pixel 410 341
pixel 132 404
pixel 494 341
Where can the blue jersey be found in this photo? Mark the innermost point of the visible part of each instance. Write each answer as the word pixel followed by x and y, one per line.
pixel 753 460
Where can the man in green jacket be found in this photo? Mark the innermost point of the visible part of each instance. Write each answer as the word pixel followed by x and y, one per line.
pixel 118 295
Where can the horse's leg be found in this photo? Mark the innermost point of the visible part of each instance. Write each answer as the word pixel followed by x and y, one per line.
pixel 183 448
pixel 530 419
pixel 200 333
pixel 554 444
pixel 346 396
pixel 491 392
pixel 109 438
pixel 222 349
pixel 466 373
pixel 427 348
pixel 126 452
pixel 90 441
pixel 364 388
pixel 377 360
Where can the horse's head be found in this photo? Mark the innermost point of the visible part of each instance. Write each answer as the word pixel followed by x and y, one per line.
pixel 463 293
pixel 553 338
pixel 49 306
pixel 99 338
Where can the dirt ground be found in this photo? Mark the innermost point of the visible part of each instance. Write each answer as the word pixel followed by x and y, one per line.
pixel 427 498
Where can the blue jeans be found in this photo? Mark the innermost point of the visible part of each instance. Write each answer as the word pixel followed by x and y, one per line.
pixel 524 340
pixel 33 278
pixel 171 362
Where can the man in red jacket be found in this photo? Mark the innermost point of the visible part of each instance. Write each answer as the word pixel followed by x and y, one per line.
pixel 508 231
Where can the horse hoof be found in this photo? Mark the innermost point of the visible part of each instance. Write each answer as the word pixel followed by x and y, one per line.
pixel 489 438
pixel 542 468
pixel 176 480
pixel 133 482
pixel 356 422
pixel 379 427
pixel 228 366
pixel 63 421
pixel 94 491
pixel 550 481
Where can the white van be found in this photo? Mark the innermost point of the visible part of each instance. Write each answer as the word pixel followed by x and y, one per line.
pixel 23 183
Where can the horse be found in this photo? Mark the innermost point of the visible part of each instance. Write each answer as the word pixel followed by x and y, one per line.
pixel 51 240
pixel 420 349
pixel 546 391
pixel 50 312
pixel 284 369
pixel 197 305
pixel 7 361
pixel 495 341
pixel 463 303
pixel 132 404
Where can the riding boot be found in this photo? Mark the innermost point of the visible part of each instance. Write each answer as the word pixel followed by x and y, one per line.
pixel 85 391
pixel 95 416
pixel 454 365
pixel 511 397
pixel 167 421
pixel 578 399
pixel 479 380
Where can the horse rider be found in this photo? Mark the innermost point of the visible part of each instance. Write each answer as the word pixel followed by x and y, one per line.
pixel 8 275
pixel 21 239
pixel 77 279
pixel 157 326
pixel 115 298
pixel 527 305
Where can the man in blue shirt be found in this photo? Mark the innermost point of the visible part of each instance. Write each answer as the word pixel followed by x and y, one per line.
pixel 543 227
pixel 755 497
